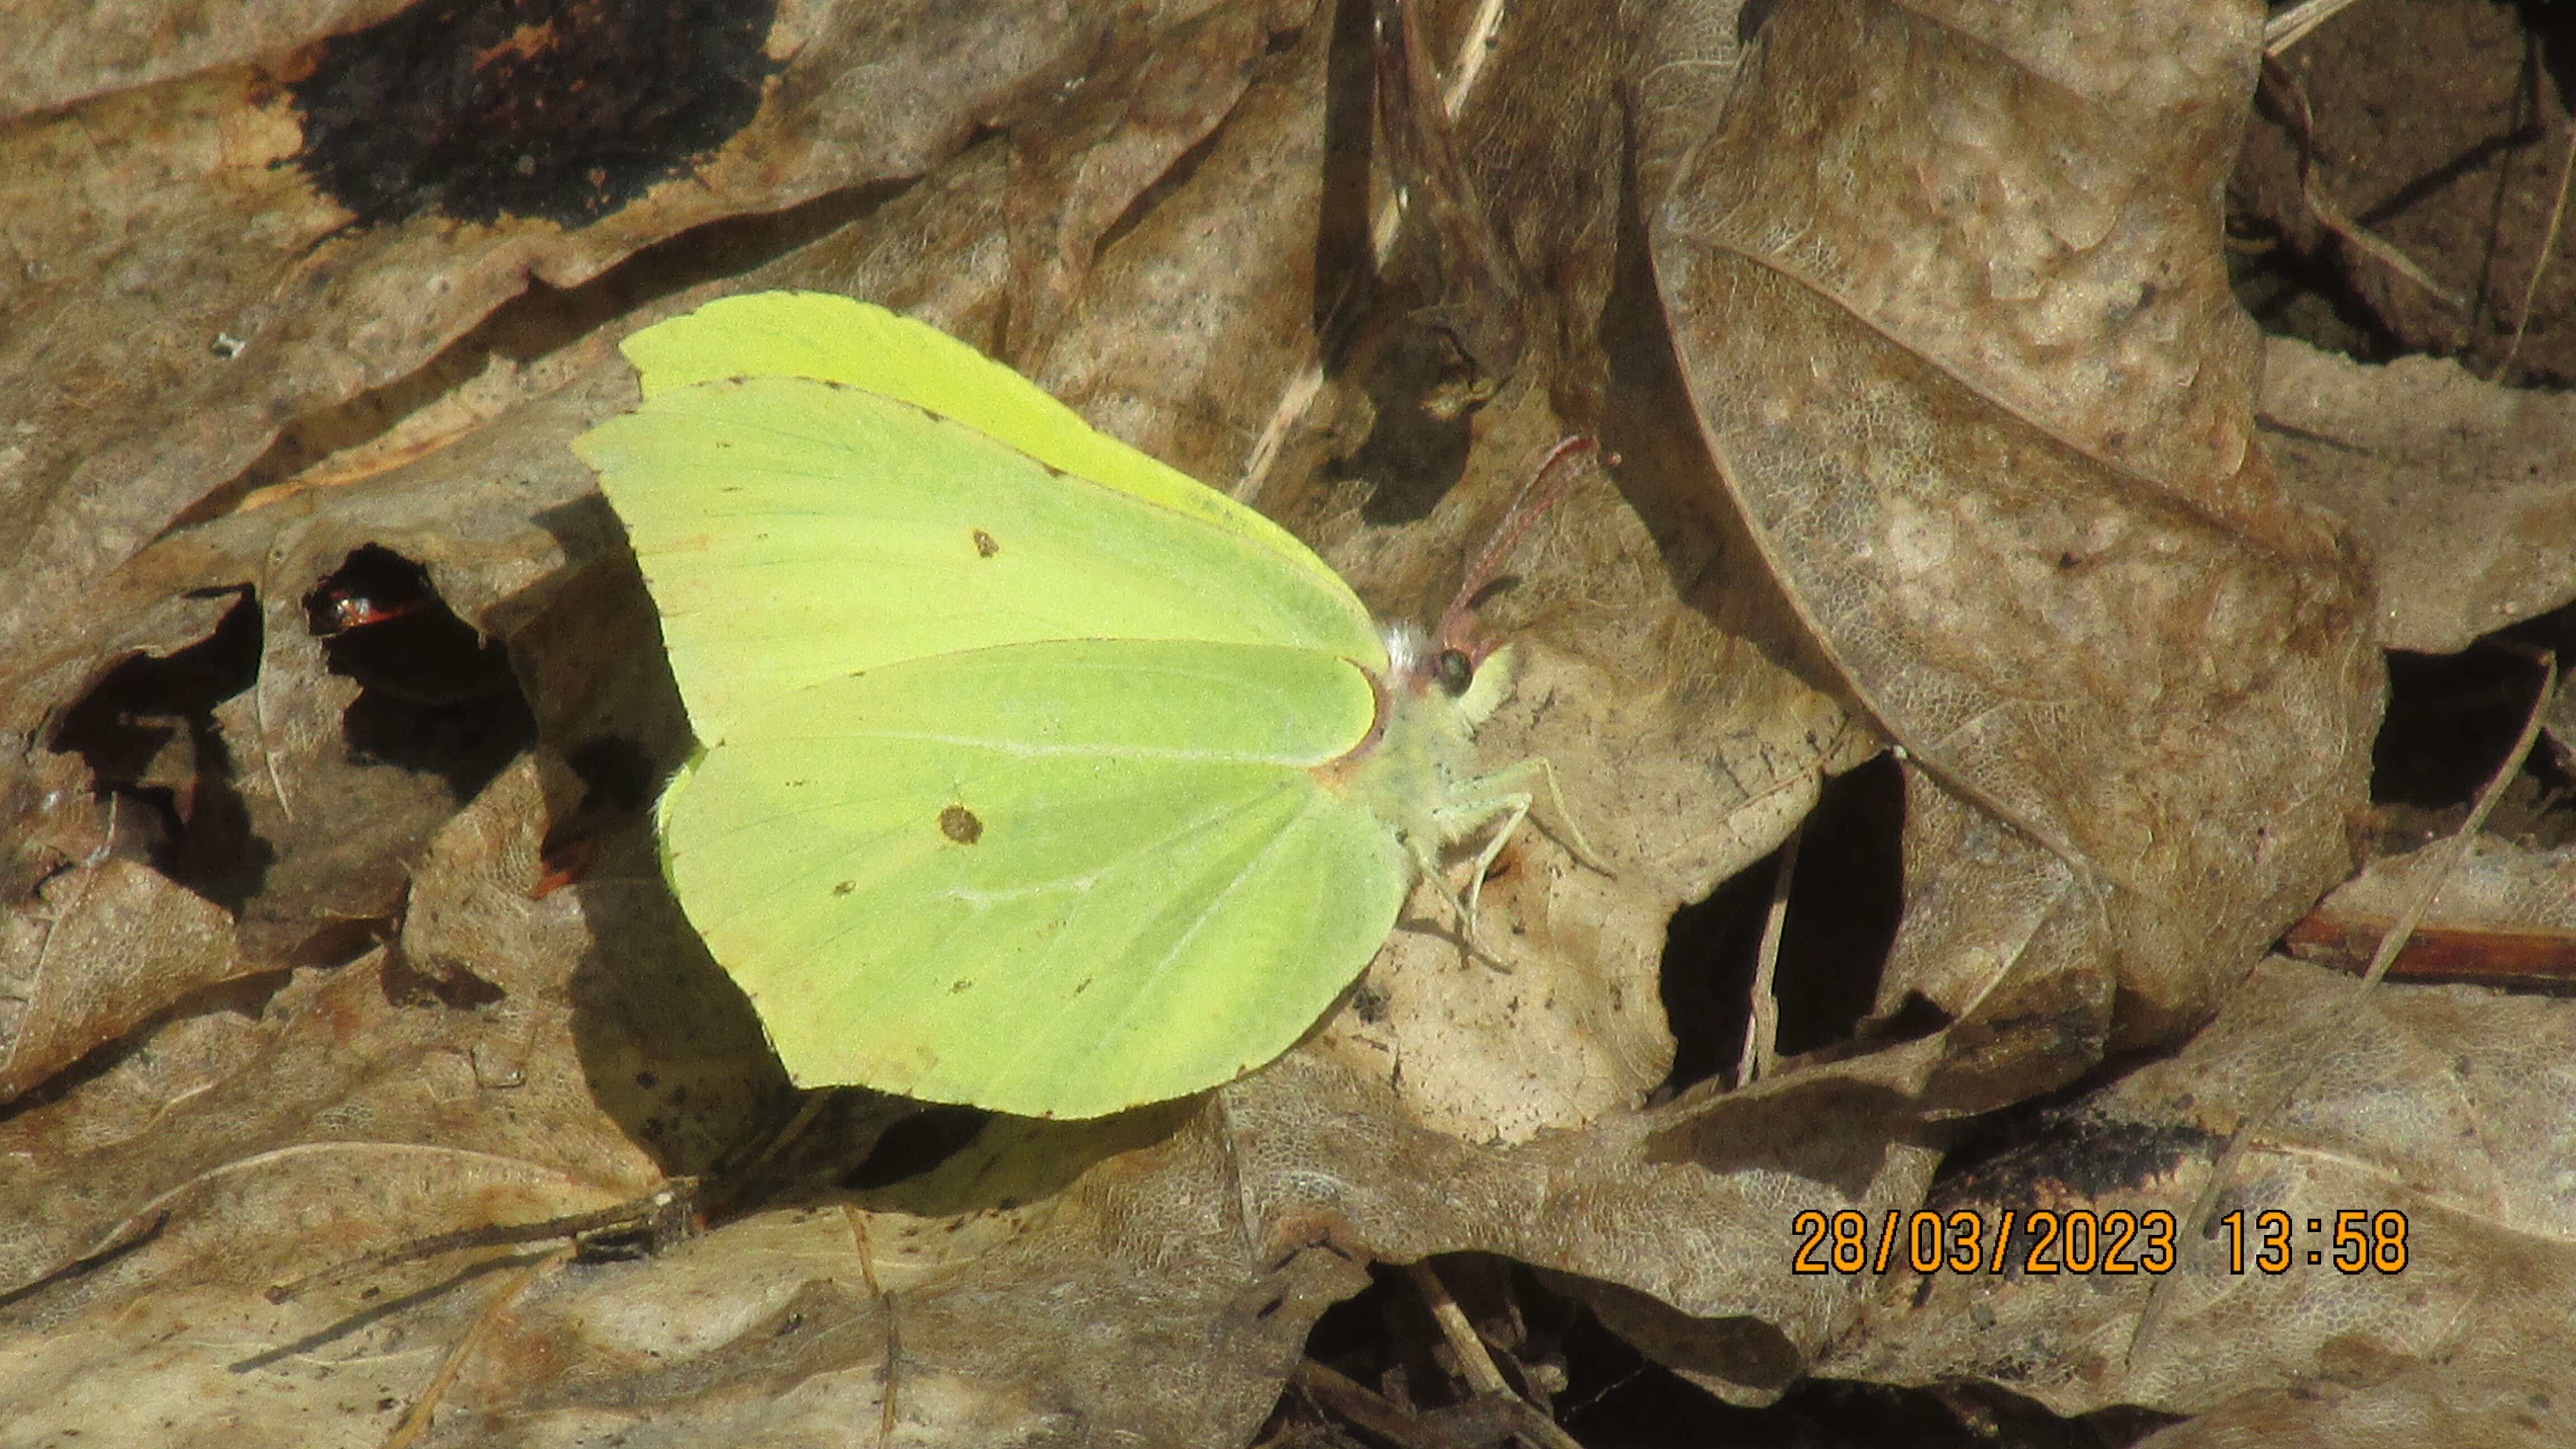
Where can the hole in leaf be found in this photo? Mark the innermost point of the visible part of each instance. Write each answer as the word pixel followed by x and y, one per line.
pixel 147 733
pixel 1554 1351
pixel 2451 719
pixel 435 697
pixel 614 771
pixel 1843 911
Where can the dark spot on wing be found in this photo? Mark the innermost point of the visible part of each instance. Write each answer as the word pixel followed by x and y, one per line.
pixel 985 544
pixel 959 824
pixel 954 987
pixel 845 887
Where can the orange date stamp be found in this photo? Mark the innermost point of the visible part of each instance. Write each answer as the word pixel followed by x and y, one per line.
pixel 1968 1241
pixel 2082 1241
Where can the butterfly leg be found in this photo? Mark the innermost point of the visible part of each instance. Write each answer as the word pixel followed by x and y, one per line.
pixel 1460 911
pixel 1470 809
pixel 1580 848
pixel 1519 806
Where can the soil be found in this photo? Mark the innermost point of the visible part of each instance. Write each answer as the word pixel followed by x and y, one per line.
pixel 2440 127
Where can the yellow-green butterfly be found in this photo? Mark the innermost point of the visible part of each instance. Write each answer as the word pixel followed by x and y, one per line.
pixel 1034 775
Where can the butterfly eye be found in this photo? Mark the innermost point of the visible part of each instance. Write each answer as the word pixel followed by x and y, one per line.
pixel 1454 670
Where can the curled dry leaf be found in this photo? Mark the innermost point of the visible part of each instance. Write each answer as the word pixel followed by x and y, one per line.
pixel 100 948
pixel 2460 487
pixel 464 1035
pixel 324 1368
pixel 2437 1103
pixel 92 941
pixel 1947 288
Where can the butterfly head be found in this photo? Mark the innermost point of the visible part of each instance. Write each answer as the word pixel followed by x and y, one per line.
pixel 1472 675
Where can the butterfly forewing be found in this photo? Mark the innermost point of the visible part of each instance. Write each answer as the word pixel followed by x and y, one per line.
pixel 793 530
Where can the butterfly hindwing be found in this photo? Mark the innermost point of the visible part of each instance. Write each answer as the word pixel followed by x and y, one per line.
pixel 1054 878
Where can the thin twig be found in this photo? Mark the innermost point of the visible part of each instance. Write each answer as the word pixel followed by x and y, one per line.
pixel 415 1420
pixel 1475 1362
pixel 2548 253
pixel 1337 1394
pixel 2291 26
pixel 1761 1056
pixel 858 1224
pixel 644 1210
pixel 2330 216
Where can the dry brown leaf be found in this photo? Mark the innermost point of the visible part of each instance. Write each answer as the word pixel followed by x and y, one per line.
pixel 1128 114
pixel 1947 287
pixel 401 1046
pixel 2502 1405
pixel 103 946
pixel 225 1361
pixel 99 49
pixel 478 1051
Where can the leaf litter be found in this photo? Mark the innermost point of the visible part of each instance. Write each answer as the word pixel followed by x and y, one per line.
pixel 1936 426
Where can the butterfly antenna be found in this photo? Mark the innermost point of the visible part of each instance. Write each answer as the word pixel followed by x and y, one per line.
pixel 1547 485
